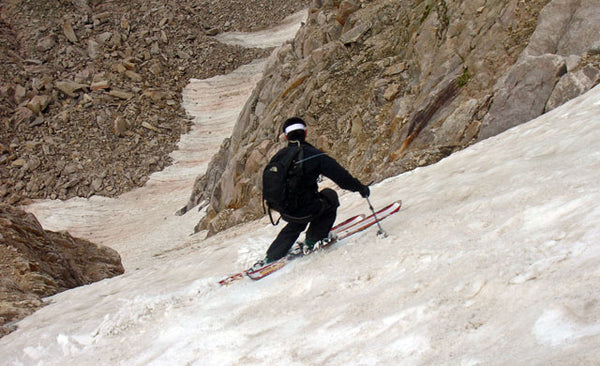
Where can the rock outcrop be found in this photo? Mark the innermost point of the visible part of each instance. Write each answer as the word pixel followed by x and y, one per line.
pixel 36 263
pixel 559 63
pixel 390 85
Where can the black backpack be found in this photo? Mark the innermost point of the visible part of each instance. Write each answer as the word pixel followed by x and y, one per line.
pixel 282 179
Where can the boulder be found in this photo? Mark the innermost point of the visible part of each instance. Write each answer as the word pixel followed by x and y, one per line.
pixel 39 103
pixel 69 32
pixel 70 87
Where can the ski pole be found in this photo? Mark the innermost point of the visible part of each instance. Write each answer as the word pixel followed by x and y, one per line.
pixel 380 231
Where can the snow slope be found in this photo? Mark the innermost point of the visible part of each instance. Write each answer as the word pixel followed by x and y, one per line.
pixel 493 260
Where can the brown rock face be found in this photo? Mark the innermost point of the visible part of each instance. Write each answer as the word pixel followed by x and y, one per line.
pixel 35 263
pixel 390 85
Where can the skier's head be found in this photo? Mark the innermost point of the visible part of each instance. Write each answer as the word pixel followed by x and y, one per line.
pixel 294 129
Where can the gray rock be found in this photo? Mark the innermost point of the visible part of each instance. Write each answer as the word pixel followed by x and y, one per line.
pixel 93 49
pixel 70 87
pixel 33 163
pixel 212 32
pixel 82 5
pixel 104 37
pixel 346 8
pixel 19 94
pixel 573 85
pixel 47 43
pixel 595 48
pixel 39 103
pixel 96 184
pixel 120 94
pixel 354 34
pixel 523 94
pixel 23 115
pixel 69 32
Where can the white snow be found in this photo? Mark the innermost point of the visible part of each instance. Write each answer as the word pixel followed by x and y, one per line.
pixel 493 260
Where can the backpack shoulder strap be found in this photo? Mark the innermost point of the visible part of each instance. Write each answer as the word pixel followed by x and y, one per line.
pixel 275 223
pixel 267 209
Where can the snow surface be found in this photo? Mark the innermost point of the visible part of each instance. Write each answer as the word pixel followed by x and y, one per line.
pixel 494 259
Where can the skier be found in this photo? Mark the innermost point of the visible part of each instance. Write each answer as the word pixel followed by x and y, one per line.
pixel 318 209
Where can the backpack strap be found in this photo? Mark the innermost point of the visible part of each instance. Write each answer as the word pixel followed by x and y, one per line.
pixel 310 157
pixel 275 223
pixel 266 209
pixel 296 169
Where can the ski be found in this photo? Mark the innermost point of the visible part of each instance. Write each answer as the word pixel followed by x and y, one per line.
pixel 343 232
pixel 272 267
pixel 368 221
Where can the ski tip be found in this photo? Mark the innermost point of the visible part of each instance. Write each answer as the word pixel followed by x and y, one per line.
pixel 397 204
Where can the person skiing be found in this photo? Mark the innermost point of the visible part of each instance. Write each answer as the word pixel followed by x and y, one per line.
pixel 317 208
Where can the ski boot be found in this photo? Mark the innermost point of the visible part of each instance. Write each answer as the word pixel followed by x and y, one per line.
pixel 309 246
pixel 261 263
pixel 296 249
pixel 330 239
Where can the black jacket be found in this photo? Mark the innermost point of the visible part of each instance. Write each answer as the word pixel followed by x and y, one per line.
pixel 315 163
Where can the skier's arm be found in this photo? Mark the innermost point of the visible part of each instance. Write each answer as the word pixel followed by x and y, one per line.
pixel 334 171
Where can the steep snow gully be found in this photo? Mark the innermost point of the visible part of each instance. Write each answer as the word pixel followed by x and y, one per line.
pixel 139 224
pixel 493 260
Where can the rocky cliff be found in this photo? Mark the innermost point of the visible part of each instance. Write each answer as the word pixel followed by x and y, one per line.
pixel 36 263
pixel 390 85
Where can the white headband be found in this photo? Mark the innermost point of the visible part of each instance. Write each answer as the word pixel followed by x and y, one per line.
pixel 294 127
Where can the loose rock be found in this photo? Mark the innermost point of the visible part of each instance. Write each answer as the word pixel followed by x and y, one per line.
pixel 67 73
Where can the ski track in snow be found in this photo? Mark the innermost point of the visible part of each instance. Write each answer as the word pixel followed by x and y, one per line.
pixel 493 260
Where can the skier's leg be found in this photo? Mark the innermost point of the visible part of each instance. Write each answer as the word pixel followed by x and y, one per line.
pixel 284 241
pixel 321 225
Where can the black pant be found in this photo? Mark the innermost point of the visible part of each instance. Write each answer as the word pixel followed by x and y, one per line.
pixel 320 225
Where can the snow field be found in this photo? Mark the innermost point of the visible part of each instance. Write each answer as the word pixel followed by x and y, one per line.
pixel 494 259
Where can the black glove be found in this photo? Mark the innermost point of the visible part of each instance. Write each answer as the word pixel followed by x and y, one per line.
pixel 365 191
